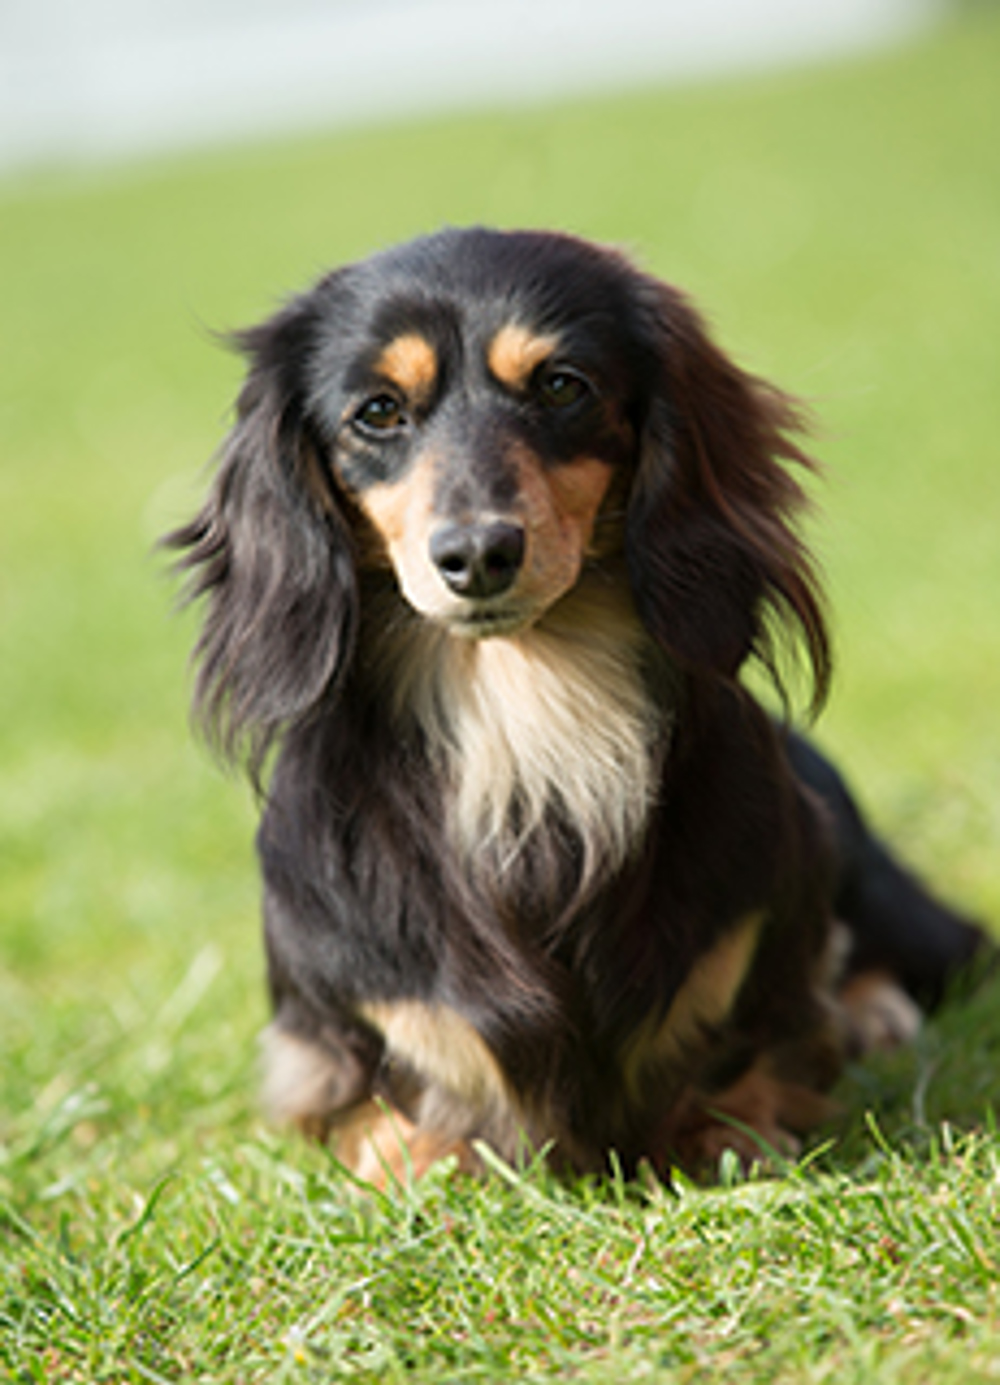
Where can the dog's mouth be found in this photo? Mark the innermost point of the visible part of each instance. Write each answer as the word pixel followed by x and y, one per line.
pixel 484 622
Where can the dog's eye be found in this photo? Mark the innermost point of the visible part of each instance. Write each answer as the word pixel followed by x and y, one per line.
pixel 380 414
pixel 558 389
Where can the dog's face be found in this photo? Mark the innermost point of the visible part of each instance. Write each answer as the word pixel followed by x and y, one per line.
pixel 476 403
pixel 484 414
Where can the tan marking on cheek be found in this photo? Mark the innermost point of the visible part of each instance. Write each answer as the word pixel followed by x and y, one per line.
pixel 578 490
pixel 411 363
pixel 402 516
pixel 401 510
pixel 515 352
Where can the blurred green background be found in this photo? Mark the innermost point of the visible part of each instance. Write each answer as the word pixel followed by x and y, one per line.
pixel 841 228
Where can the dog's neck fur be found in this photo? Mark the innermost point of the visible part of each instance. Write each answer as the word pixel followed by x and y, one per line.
pixel 554 727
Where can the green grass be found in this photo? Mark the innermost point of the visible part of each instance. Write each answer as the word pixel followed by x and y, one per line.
pixel 842 227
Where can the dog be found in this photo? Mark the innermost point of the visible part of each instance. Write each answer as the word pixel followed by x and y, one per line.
pixel 495 533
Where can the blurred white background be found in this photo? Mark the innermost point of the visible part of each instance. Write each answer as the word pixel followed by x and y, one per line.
pixel 111 78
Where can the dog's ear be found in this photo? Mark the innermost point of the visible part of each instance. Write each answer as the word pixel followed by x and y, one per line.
pixel 271 554
pixel 713 553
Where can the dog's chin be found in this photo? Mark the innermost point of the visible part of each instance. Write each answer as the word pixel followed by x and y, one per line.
pixel 507 615
pixel 480 620
pixel 484 623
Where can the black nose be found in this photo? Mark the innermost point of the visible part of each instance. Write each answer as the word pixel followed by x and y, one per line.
pixel 478 559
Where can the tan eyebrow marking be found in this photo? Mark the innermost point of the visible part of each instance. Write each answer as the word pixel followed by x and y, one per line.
pixel 516 351
pixel 411 363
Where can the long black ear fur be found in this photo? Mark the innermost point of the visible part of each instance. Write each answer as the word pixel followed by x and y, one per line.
pixel 710 539
pixel 271 555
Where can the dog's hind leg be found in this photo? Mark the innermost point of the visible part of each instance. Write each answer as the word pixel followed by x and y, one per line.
pixel 904 949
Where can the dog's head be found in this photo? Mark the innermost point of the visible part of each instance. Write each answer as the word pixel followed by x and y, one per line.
pixel 484 415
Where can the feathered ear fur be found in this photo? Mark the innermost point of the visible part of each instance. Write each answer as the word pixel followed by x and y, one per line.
pixel 271 554
pixel 710 540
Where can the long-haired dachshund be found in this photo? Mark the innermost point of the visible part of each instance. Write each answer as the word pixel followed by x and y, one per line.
pixel 495 531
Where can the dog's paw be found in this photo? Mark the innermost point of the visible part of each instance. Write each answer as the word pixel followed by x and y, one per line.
pixel 878 1013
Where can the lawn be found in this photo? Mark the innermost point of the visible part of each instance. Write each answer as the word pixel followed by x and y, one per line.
pixel 842 228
